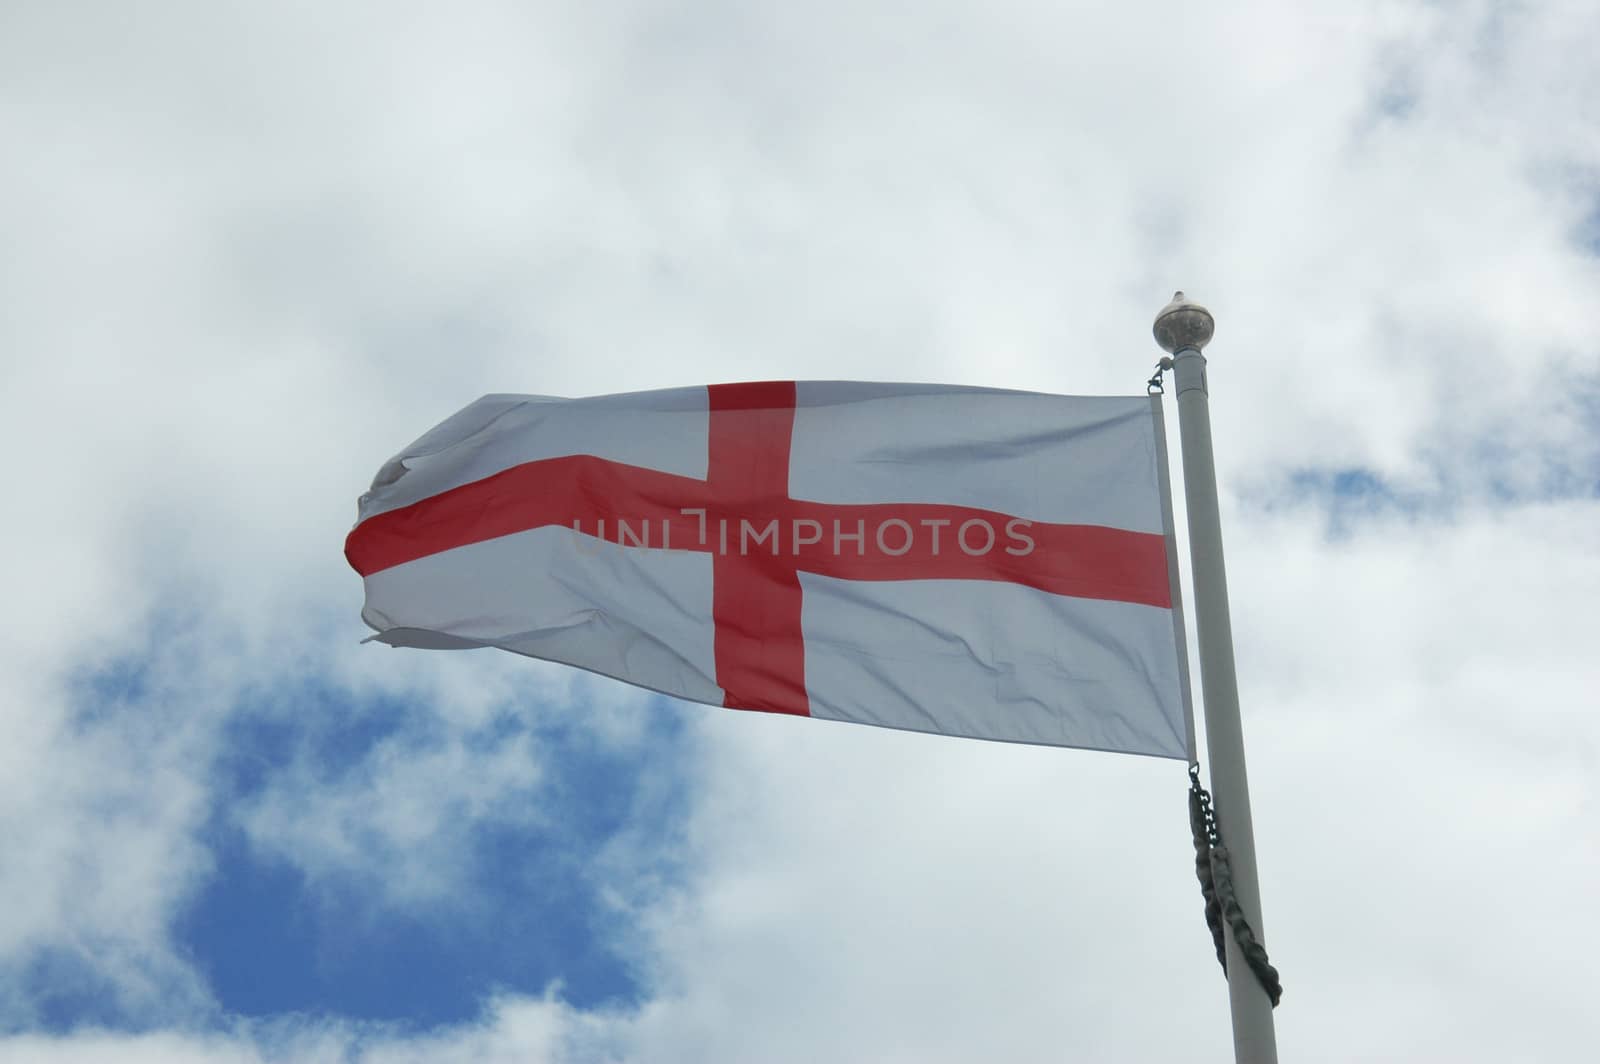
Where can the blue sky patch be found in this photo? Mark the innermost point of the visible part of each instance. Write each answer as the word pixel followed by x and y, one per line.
pixel 1349 496
pixel 529 911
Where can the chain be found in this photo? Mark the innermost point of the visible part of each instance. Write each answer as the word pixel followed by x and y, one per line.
pixel 1208 815
pixel 1203 828
pixel 1212 868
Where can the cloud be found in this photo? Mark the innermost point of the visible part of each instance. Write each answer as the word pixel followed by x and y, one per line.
pixel 250 253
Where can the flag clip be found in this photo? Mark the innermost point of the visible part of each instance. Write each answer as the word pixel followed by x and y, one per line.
pixel 1153 385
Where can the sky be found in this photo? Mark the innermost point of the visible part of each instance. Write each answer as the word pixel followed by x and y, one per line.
pixel 248 251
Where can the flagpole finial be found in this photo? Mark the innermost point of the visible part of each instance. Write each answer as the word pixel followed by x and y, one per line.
pixel 1182 324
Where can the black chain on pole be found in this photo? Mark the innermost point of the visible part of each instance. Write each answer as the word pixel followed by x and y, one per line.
pixel 1211 867
pixel 1201 825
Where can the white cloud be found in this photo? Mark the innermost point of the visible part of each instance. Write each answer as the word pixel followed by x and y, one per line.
pixel 252 251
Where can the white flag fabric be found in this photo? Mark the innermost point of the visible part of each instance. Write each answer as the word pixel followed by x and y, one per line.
pixel 963 561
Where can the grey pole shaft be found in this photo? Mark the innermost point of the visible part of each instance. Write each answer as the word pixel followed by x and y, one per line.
pixel 1254 1041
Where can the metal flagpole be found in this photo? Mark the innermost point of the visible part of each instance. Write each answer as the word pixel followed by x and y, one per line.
pixel 1183 329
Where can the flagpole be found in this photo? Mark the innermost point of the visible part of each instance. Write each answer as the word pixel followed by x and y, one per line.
pixel 1182 329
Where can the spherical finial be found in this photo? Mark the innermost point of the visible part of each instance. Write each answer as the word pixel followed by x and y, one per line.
pixel 1183 324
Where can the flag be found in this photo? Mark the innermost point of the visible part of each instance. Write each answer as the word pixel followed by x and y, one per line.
pixel 962 561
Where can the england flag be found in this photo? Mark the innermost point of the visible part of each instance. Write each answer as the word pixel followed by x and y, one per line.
pixel 962 561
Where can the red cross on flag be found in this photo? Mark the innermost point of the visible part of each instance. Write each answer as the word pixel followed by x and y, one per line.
pixel 963 561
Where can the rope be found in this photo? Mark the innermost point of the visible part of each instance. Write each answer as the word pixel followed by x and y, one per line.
pixel 1212 868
